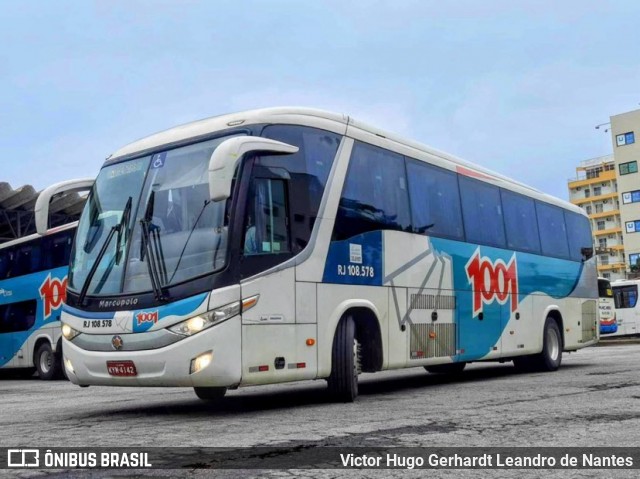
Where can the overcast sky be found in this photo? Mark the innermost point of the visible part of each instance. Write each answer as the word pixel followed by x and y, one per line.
pixel 515 86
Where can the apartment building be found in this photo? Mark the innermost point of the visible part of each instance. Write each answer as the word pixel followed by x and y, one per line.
pixel 625 129
pixel 608 189
pixel 595 189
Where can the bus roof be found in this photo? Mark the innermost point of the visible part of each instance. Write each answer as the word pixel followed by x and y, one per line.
pixel 624 282
pixel 339 123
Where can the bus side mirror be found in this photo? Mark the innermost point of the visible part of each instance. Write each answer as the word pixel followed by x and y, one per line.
pixel 229 153
pixel 43 202
pixel 586 253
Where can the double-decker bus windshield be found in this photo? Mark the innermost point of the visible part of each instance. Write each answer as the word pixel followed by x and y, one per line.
pixel 604 288
pixel 149 223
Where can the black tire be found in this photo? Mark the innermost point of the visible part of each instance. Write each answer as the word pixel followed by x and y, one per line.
pixel 210 394
pixel 60 358
pixel 452 368
pixel 523 363
pixel 48 364
pixel 22 373
pixel 550 358
pixel 345 362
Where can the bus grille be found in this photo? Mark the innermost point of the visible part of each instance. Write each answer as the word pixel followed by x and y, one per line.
pixel 432 301
pixel 589 321
pixel 432 340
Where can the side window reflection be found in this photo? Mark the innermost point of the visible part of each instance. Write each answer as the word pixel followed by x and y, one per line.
pixel 266 229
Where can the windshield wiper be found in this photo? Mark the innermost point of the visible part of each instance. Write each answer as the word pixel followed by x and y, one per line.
pixel 114 229
pixel 151 233
pixel 126 215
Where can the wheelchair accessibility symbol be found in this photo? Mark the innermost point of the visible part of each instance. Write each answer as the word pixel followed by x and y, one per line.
pixel 158 160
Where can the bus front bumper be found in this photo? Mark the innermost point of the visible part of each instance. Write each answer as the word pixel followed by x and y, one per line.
pixel 171 365
pixel 608 328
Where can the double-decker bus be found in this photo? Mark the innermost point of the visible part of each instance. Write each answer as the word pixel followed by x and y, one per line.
pixel 625 296
pixel 288 244
pixel 606 307
pixel 33 278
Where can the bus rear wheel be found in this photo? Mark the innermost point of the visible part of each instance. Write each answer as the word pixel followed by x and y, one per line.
pixel 550 358
pixel 210 394
pixel 47 363
pixel 452 368
pixel 345 362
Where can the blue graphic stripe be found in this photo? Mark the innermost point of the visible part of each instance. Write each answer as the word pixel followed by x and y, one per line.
pixel 185 307
pixel 360 260
pixel 357 260
pixel 78 313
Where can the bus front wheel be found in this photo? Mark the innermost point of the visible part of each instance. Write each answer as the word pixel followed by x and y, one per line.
pixel 210 394
pixel 345 362
pixel 47 362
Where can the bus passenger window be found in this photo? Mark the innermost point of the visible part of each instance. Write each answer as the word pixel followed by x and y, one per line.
pixel 15 317
pixel 375 195
pixel 482 213
pixel 553 231
pixel 5 264
pixel 435 200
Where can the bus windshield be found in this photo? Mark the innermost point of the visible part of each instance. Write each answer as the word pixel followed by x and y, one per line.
pixel 604 288
pixel 166 229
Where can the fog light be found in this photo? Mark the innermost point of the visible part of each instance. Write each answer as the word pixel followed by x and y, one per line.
pixel 201 362
pixel 68 365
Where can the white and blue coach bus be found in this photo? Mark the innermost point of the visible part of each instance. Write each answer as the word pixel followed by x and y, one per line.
pixel 33 279
pixel 287 244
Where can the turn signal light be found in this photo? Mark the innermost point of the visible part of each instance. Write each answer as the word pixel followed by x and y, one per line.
pixel 311 342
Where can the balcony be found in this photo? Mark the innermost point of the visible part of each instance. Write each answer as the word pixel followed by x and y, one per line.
pixel 610 250
pixel 601 177
pixel 611 266
pixel 606 196
pixel 604 214
pixel 609 231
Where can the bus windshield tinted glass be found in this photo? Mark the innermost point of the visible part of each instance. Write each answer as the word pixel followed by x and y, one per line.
pixel 175 233
pixel 625 296
pixel 604 289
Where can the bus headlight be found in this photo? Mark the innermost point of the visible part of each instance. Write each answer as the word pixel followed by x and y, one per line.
pixel 68 332
pixel 206 320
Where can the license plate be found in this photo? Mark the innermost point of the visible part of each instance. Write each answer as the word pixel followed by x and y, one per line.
pixel 121 368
